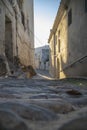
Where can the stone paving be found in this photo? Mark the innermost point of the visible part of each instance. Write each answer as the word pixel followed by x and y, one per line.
pixel 43 103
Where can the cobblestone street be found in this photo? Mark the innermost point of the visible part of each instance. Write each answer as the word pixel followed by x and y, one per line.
pixel 43 103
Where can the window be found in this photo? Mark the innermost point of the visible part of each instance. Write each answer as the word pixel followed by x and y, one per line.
pixel 59 45
pixel 10 1
pixel 69 17
pixel 55 43
pixel 85 5
pixel 23 19
pixel 55 39
pixel 59 41
pixel 0 10
pixel 28 28
pixel 59 34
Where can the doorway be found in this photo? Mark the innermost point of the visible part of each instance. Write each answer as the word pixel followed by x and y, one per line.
pixel 8 40
pixel 57 67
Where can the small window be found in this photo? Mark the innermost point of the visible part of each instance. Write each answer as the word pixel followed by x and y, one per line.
pixel 85 5
pixel 69 17
pixel 59 46
pixel 23 19
pixel 10 1
pixel 0 10
pixel 59 41
pixel 28 28
pixel 59 34
pixel 55 39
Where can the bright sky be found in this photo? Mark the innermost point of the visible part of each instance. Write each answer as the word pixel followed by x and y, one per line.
pixel 44 15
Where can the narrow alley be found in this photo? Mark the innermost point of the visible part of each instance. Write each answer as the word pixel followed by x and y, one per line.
pixel 43 61
pixel 43 103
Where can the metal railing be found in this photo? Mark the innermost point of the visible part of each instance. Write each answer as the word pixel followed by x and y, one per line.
pixel 80 60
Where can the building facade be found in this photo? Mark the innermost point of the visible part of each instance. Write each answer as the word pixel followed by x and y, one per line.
pixel 42 58
pixel 68 40
pixel 16 31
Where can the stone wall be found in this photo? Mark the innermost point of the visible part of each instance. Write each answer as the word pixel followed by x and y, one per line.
pixel 77 41
pixel 15 38
pixel 68 43
pixel 29 7
pixel 2 28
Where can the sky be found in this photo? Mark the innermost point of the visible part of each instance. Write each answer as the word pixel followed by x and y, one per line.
pixel 44 15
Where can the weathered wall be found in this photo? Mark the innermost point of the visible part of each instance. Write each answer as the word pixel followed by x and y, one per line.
pixel 77 30
pixel 18 42
pixel 77 40
pixel 24 37
pixel 73 43
pixel 51 58
pixel 2 28
pixel 29 13
pixel 62 55
pixel 23 44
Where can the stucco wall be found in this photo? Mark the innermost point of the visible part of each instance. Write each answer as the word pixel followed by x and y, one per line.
pixel 77 31
pixel 22 41
pixel 73 43
pixel 59 59
pixel 29 13
pixel 51 58
pixel 77 39
pixel 2 28
pixel 7 11
pixel 62 56
pixel 23 45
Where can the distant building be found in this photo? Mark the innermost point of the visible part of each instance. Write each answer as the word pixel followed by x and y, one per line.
pixel 68 40
pixel 16 30
pixel 42 58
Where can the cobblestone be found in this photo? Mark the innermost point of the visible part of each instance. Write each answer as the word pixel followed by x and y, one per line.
pixel 44 103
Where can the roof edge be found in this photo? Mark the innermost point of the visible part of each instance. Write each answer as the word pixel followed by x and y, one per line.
pixel 63 6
